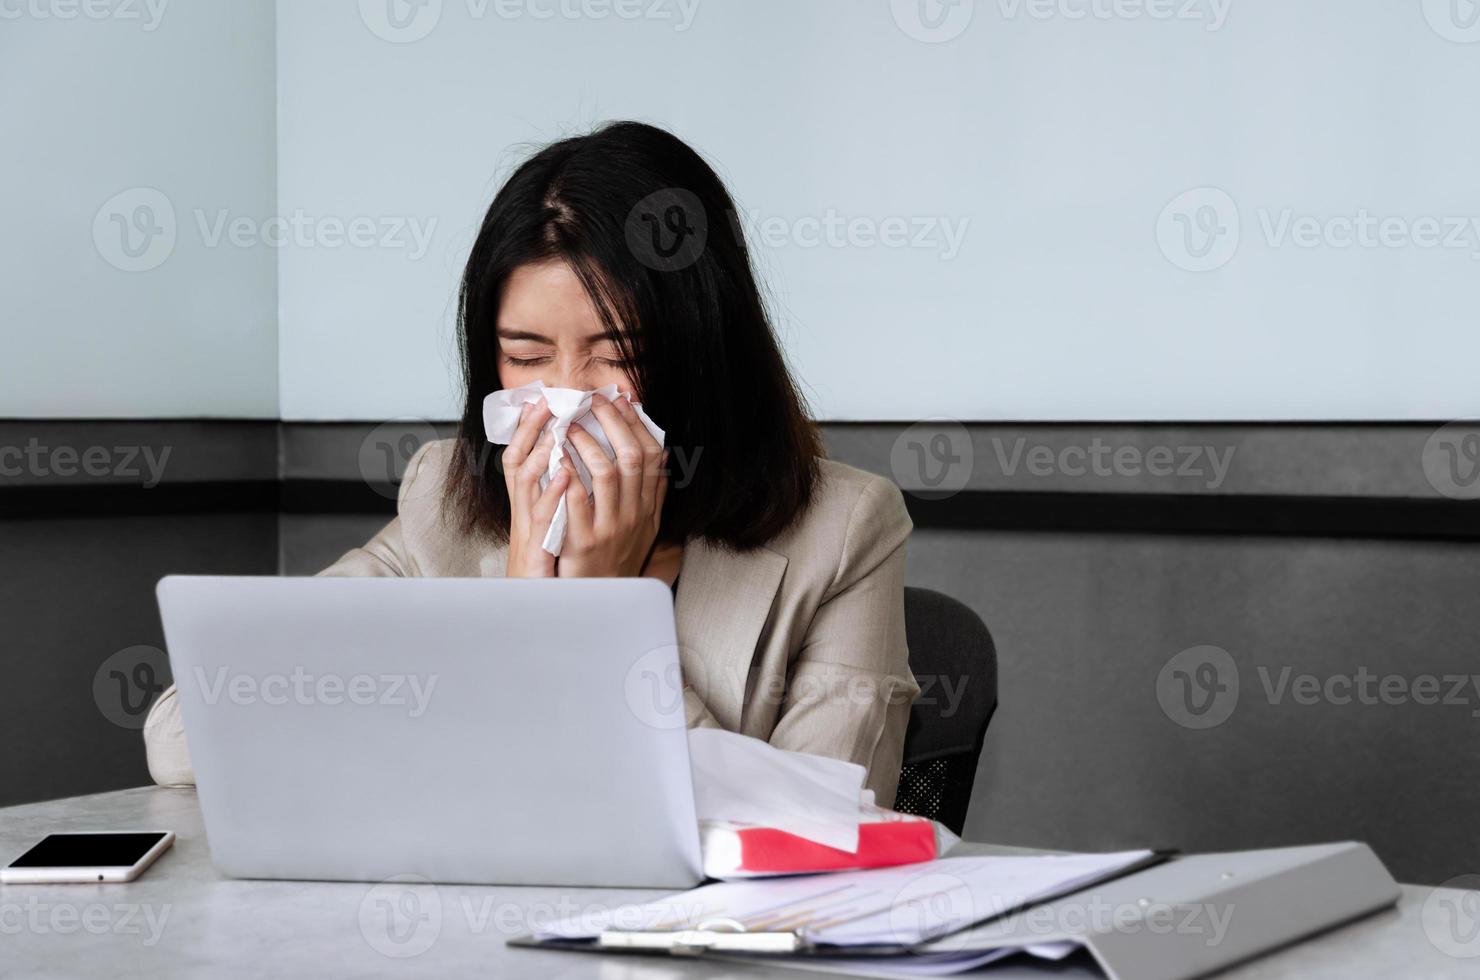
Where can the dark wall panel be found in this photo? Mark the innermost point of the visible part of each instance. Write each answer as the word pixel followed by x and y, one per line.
pixel 1083 754
pixel 76 592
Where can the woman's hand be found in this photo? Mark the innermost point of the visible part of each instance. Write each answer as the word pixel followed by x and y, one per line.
pixel 611 529
pixel 525 460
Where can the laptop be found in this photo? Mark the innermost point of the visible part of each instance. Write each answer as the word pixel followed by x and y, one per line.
pixel 483 731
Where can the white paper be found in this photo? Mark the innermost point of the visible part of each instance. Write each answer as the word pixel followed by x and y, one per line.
pixel 501 417
pixel 893 906
pixel 943 964
pixel 745 780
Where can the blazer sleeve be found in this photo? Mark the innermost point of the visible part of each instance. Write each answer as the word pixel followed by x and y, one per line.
pixel 850 688
pixel 385 554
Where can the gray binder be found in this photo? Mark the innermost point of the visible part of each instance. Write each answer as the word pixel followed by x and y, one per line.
pixel 1183 918
pixel 1265 900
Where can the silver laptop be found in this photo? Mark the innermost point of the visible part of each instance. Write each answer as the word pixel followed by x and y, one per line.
pixel 488 731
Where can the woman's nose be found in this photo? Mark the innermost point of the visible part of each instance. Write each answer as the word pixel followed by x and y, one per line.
pixel 569 375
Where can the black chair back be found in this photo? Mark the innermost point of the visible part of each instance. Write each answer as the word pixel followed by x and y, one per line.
pixel 954 660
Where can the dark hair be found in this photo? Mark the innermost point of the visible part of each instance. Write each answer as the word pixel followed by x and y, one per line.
pixel 648 228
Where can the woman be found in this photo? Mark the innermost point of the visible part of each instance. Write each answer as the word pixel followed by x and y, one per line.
pixel 614 258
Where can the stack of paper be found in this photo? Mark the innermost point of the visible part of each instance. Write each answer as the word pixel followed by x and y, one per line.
pixel 893 907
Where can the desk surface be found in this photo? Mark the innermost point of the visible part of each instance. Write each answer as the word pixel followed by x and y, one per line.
pixel 184 919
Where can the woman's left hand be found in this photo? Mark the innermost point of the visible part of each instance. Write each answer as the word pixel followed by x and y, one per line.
pixel 610 530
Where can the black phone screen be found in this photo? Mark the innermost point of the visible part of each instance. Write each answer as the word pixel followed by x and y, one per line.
pixel 88 851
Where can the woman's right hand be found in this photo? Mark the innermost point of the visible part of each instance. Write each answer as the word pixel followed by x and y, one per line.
pixel 525 461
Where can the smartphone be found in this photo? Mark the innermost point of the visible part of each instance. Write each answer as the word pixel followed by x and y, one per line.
pixel 72 858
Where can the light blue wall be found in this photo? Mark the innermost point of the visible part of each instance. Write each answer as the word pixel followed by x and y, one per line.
pixel 326 236
pixel 1062 143
pixel 158 114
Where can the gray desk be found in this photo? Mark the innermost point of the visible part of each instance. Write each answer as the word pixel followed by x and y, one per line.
pixel 182 919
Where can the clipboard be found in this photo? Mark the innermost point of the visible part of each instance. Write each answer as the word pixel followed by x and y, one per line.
pixel 1264 899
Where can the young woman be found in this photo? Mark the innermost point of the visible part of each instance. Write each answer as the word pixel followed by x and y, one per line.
pixel 615 258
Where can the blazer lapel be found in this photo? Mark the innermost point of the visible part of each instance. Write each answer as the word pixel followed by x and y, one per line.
pixel 724 599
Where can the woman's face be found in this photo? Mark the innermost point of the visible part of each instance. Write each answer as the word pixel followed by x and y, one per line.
pixel 550 331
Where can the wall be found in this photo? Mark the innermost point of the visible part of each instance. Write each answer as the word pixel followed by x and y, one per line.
pixel 1192 210
pixel 134 133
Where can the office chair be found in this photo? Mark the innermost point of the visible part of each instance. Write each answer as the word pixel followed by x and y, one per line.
pixel 949 644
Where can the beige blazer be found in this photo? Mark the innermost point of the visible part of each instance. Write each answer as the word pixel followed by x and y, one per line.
pixel 800 642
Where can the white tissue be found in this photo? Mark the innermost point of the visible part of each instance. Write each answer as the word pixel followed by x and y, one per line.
pixel 501 417
pixel 745 780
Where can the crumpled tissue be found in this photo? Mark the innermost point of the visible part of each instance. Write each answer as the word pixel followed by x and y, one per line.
pixel 569 407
